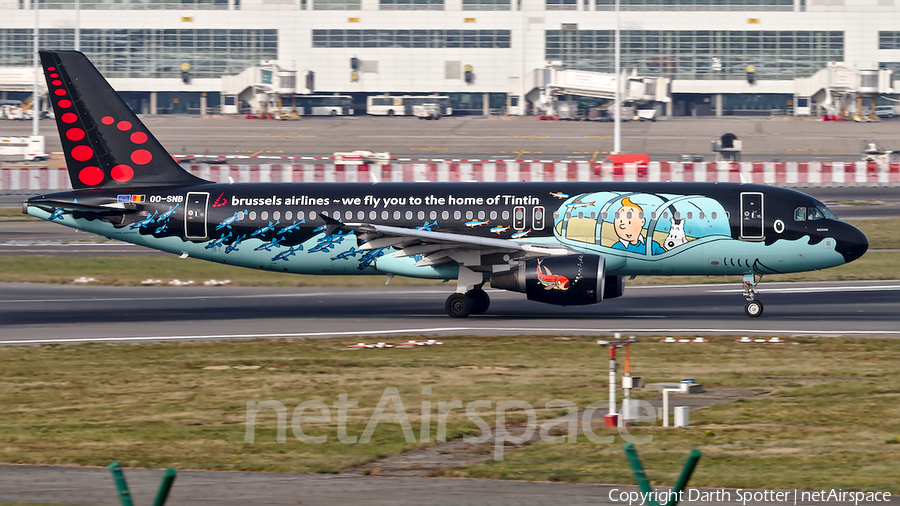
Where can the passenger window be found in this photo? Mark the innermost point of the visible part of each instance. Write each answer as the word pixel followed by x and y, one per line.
pixel 480 215
pixel 288 215
pixel 445 215
pixel 264 215
pixel 580 215
pixel 347 216
pixel 702 215
pixel 312 216
pixel 469 215
pixel 641 215
pixel 713 215
pixel 409 215
pixel 505 215
pixel 300 215
pixel 373 215
pixel 653 215
pixel 337 215
pixel 276 215
pixel 457 215
pixel 593 215
pixel 421 215
pixel 361 215
pixel 396 215
pixel 690 215
pixel 252 215
pixel 433 215
pixel 493 215
pixel 665 215
pixel 677 215
pixel 385 215
pixel 605 215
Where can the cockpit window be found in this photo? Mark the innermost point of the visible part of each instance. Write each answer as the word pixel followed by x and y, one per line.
pixel 800 214
pixel 827 213
pixel 813 213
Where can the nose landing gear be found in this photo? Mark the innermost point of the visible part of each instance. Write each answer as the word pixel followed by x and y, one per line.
pixel 753 308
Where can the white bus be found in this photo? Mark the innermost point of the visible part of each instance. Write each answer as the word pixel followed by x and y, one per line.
pixel 402 105
pixel 321 105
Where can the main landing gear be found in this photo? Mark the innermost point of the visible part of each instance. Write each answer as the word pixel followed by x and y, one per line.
pixel 461 305
pixel 753 308
pixel 469 297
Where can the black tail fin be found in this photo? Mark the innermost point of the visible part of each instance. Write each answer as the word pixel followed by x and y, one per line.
pixel 105 144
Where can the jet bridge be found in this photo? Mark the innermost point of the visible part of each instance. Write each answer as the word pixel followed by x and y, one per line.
pixel 263 88
pixel 553 83
pixel 842 92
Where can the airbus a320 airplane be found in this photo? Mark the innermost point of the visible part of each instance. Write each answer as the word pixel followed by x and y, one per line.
pixel 559 243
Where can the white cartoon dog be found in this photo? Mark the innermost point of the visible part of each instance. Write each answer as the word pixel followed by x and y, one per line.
pixel 676 235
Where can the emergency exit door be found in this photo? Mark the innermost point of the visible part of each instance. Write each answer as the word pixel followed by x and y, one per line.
pixel 195 215
pixel 751 215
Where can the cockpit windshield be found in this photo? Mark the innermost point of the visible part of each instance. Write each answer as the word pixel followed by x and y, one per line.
pixel 813 213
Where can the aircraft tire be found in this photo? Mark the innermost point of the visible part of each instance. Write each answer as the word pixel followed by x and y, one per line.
pixel 480 301
pixel 753 308
pixel 458 305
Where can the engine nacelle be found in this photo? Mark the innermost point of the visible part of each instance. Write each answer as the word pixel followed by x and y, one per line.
pixel 570 280
pixel 614 287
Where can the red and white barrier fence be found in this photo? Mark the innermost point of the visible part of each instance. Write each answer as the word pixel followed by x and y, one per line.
pixel 777 173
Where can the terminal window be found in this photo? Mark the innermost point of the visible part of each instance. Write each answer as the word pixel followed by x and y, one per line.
pixel 412 38
pixel 697 5
pixel 486 5
pixel 151 53
pixel 561 5
pixel 888 40
pixel 337 5
pixel 699 54
pixel 411 5
pixel 136 5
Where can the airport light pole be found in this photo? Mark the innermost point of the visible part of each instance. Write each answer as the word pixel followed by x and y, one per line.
pixel 617 112
pixel 35 97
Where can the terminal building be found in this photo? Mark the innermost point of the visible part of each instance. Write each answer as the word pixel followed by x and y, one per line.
pixel 714 57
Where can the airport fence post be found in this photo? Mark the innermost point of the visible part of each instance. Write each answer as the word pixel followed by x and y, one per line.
pixel 165 486
pixel 644 484
pixel 121 485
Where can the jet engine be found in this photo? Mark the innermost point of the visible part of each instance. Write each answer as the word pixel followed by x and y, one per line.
pixel 570 280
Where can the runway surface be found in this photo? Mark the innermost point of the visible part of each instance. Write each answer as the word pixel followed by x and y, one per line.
pixel 121 314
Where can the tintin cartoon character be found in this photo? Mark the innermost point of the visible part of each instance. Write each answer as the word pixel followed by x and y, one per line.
pixel 629 226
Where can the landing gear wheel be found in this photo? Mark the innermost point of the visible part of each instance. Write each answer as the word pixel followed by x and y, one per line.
pixel 480 301
pixel 458 305
pixel 753 308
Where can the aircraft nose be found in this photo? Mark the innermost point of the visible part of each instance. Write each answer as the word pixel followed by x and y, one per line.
pixel 851 242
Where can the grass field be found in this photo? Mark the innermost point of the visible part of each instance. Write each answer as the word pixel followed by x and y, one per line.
pixel 131 270
pixel 832 423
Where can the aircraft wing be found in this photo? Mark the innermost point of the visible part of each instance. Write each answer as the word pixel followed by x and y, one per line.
pixel 441 247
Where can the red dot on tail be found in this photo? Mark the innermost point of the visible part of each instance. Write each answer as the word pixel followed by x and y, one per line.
pixel 69 117
pixel 141 156
pixel 64 103
pixel 74 134
pixel 82 153
pixel 107 120
pixel 139 137
pixel 90 175
pixel 56 82
pixel 124 125
pixel 122 173
pixel 51 68
pixel 59 92
pixel 54 75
